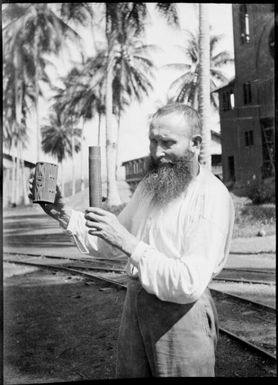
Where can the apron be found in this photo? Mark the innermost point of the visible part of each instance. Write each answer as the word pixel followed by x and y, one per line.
pixel 166 339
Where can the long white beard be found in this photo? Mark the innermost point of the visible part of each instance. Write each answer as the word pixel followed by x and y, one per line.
pixel 167 181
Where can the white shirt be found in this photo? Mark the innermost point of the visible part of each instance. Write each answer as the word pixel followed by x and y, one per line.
pixel 182 246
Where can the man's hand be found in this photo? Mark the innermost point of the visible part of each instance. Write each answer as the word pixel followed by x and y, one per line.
pixel 105 225
pixel 57 209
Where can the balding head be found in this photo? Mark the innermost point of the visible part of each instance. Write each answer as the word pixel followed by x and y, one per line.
pixel 179 113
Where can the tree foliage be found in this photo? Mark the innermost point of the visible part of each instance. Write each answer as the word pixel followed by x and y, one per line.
pixel 56 137
pixel 185 87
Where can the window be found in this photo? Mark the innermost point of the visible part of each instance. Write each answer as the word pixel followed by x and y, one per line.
pixel 228 100
pixel 247 94
pixel 267 127
pixel 231 167
pixel 248 138
pixel 226 104
pixel 244 24
pixel 232 100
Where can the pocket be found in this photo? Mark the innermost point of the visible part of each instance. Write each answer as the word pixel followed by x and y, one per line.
pixel 208 320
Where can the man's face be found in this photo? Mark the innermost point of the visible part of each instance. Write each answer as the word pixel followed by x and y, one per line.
pixel 170 139
pixel 173 159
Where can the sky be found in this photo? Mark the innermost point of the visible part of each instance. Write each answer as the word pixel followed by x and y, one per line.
pixel 134 127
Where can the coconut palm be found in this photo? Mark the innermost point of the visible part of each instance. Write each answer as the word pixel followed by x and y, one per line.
pixel 116 17
pixel 204 94
pixel 37 28
pixel 186 87
pixel 17 100
pixel 133 77
pixel 81 99
pixel 83 90
pixel 57 140
pixel 119 18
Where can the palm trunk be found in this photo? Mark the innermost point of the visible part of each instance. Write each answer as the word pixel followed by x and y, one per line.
pixel 195 100
pixel 16 126
pixel 204 95
pixel 119 109
pixel 18 189
pixel 13 193
pixel 18 105
pixel 82 186
pixel 73 160
pixel 117 147
pixel 62 178
pixel 24 185
pixel 24 180
pixel 113 198
pixel 36 43
pixel 99 125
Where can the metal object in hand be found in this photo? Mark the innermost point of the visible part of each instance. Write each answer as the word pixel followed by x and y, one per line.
pixel 45 182
pixel 95 190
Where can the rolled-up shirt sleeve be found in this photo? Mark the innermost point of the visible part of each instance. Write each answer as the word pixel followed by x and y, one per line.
pixel 93 245
pixel 183 280
pixel 86 243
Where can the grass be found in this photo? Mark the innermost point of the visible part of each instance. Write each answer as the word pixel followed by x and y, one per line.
pixel 251 218
pixel 265 294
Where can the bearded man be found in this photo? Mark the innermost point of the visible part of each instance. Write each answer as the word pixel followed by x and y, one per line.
pixel 176 232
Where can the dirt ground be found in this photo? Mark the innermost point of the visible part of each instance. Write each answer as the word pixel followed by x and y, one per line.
pixel 74 337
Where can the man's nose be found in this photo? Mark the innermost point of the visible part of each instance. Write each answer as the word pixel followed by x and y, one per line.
pixel 159 152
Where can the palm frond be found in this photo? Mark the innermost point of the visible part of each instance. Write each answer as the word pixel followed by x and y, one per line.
pixel 13 12
pixel 148 49
pixel 222 58
pixel 177 66
pixel 214 40
pixel 218 74
pixel 181 81
pixel 169 12
pixel 135 16
pixel 80 13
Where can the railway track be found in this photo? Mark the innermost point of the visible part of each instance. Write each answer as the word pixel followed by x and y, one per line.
pixel 251 324
pixel 258 276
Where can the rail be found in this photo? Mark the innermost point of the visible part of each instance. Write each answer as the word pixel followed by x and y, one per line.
pixel 115 276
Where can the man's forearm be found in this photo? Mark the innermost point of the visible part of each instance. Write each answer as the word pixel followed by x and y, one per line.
pixel 63 217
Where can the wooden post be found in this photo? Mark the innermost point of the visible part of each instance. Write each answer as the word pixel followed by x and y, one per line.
pixel 95 191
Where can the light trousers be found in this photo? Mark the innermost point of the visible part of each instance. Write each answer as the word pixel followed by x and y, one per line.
pixel 165 339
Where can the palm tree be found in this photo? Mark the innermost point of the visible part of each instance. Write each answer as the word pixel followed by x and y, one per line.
pixel 119 18
pixel 133 75
pixel 17 100
pixel 204 95
pixel 83 90
pixel 37 28
pixel 186 87
pixel 116 16
pixel 82 93
pixel 81 99
pixel 57 140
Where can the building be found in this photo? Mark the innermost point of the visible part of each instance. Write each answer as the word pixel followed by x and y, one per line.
pixel 135 169
pixel 22 183
pixel 247 101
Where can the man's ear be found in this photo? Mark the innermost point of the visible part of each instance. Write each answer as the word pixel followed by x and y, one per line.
pixel 197 140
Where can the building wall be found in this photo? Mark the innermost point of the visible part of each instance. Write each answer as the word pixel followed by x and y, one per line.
pixel 254 64
pixel 229 143
pixel 20 187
